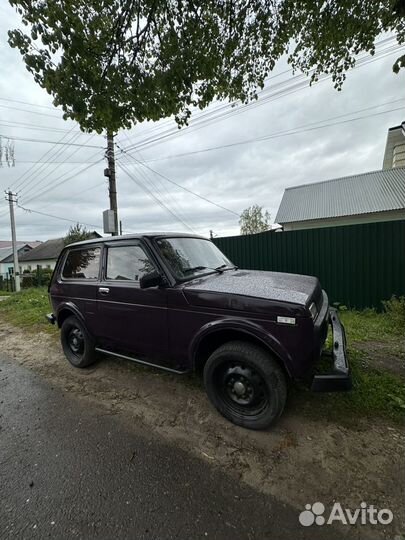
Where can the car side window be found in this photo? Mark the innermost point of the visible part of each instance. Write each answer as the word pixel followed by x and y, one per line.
pixel 82 264
pixel 127 263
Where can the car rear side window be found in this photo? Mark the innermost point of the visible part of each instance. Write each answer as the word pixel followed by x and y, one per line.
pixel 127 263
pixel 82 264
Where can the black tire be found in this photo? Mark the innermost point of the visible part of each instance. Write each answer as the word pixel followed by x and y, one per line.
pixel 245 384
pixel 77 343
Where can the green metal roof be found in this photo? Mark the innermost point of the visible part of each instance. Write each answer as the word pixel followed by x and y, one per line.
pixel 376 191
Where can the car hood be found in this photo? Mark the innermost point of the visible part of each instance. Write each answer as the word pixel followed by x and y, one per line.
pixel 291 288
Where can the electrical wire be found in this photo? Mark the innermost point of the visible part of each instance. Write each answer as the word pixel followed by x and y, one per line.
pixel 43 178
pixel 284 133
pixel 153 196
pixel 34 127
pixel 27 103
pixel 161 189
pixel 29 210
pixel 21 179
pixel 183 187
pixel 228 110
pixel 38 176
pixel 23 139
pixel 54 186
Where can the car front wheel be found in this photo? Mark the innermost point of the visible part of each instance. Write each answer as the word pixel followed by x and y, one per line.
pixel 76 342
pixel 245 384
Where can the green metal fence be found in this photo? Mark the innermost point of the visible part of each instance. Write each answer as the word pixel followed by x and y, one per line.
pixel 358 265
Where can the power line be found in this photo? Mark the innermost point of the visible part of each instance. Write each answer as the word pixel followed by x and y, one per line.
pixel 27 103
pixel 23 139
pixel 151 194
pixel 54 116
pixel 38 176
pixel 183 187
pixel 43 178
pixel 54 186
pixel 20 181
pixel 29 210
pixel 34 127
pixel 162 190
pixel 270 94
pixel 284 133
pixel 66 162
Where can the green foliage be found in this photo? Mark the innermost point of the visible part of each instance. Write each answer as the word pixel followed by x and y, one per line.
pixel 254 220
pixel 111 63
pixel 77 233
pixel 28 309
pixel 376 392
pixel 368 325
pixel 395 310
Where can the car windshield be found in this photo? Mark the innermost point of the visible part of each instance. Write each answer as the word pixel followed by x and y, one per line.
pixel 189 257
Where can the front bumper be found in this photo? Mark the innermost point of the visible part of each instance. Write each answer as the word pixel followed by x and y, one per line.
pixel 339 378
pixel 50 317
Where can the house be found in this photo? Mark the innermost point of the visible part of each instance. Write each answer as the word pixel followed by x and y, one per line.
pixel 6 255
pixel 394 155
pixel 360 198
pixel 45 255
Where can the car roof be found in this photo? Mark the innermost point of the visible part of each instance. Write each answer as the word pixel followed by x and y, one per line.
pixel 137 236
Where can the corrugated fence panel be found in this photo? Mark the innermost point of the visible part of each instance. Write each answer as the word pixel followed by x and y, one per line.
pixel 358 265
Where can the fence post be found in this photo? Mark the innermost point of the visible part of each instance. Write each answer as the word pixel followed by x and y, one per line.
pixel 38 276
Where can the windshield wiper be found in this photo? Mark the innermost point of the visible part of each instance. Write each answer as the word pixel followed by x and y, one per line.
pixel 220 269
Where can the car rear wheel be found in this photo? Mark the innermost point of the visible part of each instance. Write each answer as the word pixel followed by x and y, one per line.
pixel 77 344
pixel 245 384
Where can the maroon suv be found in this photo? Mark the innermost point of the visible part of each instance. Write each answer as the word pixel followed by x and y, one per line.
pixel 174 301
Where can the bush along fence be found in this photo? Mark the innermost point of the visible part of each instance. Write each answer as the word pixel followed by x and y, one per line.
pixel 37 278
pixel 358 265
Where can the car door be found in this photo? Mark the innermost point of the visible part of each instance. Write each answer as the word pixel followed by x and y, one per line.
pixel 131 320
pixel 77 282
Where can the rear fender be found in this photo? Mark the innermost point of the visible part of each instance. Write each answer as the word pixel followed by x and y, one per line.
pixel 68 306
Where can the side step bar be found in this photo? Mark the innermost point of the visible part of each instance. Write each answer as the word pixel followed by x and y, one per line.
pixel 143 362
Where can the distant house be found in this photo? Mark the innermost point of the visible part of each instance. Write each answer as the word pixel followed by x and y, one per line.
pixel 6 255
pixel 361 198
pixel 45 255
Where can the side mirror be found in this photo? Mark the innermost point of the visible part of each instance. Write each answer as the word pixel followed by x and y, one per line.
pixel 153 279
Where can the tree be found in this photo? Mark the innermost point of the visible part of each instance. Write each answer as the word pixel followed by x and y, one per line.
pixel 254 220
pixel 112 63
pixel 77 233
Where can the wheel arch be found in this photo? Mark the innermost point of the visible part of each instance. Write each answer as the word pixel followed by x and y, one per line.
pixel 67 310
pixel 216 334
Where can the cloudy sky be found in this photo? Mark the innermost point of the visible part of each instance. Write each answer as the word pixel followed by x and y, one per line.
pixel 66 180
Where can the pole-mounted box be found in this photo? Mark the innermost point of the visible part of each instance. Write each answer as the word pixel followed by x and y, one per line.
pixel 109 222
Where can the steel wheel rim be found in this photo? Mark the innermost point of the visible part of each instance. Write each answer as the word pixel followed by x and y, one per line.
pixel 241 389
pixel 76 341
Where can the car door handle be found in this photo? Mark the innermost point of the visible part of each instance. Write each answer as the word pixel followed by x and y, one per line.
pixel 103 290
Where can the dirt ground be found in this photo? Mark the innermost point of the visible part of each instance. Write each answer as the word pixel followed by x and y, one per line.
pixel 299 460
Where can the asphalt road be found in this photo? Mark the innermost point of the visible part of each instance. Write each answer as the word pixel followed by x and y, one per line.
pixel 69 470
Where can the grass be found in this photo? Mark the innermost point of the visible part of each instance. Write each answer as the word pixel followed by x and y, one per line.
pixel 27 309
pixel 376 392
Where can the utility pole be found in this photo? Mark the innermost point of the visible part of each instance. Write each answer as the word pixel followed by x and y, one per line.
pixel 112 180
pixel 12 198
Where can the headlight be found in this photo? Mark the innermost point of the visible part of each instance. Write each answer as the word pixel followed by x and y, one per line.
pixel 313 310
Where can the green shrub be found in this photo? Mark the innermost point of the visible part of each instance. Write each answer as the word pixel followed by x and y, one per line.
pixel 27 282
pixel 395 311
